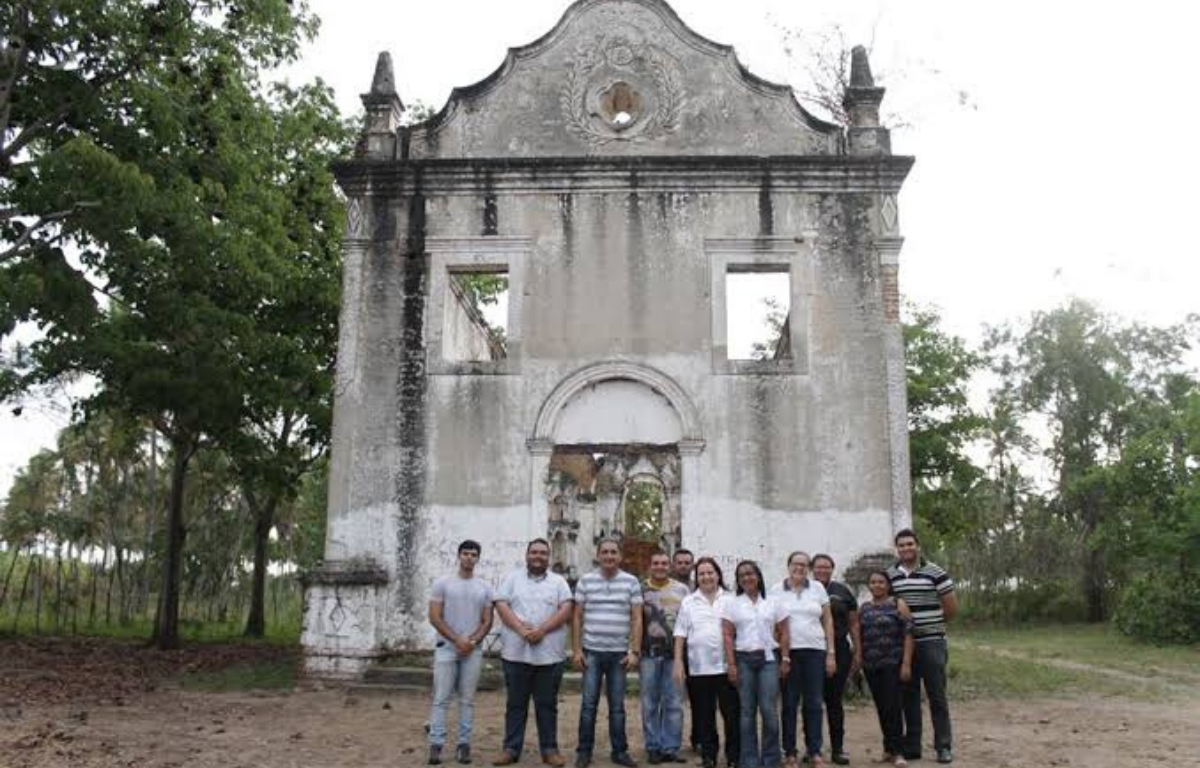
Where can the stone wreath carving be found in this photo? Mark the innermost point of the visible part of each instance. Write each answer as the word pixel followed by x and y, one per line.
pixel 621 90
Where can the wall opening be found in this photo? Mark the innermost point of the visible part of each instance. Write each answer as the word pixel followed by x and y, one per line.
pixel 475 326
pixel 757 312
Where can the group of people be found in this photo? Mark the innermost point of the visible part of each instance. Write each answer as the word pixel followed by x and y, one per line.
pixel 737 653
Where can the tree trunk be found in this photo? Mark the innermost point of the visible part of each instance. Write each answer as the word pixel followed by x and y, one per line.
pixel 75 601
pixel 1094 579
pixel 151 515
pixel 256 623
pixel 96 586
pixel 24 586
pixel 58 585
pixel 166 625
pixel 16 555
pixel 37 598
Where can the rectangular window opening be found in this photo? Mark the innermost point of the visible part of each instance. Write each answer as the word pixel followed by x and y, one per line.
pixel 476 318
pixel 757 312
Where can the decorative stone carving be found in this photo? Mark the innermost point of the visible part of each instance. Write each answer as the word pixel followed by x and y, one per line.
pixel 356 220
pixel 889 214
pixel 622 89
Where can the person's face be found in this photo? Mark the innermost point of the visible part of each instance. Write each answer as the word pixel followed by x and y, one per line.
pixel 609 556
pixel 907 549
pixel 822 570
pixel 706 577
pixel 682 566
pixel 660 567
pixel 537 558
pixel 748 580
pixel 798 568
pixel 878 586
pixel 467 558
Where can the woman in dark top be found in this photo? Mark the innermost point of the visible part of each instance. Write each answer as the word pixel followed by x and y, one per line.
pixel 844 608
pixel 887 654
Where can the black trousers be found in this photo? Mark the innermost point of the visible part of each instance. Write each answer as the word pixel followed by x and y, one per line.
pixel 707 693
pixel 929 669
pixel 835 688
pixel 885 690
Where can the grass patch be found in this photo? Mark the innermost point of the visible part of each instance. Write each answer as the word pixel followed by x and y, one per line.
pixel 265 676
pixel 976 672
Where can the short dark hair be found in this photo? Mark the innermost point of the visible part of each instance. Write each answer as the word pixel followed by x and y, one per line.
pixel 762 586
pixel 683 551
pixel 658 551
pixel 541 541
pixel 470 545
pixel 822 556
pixel 905 533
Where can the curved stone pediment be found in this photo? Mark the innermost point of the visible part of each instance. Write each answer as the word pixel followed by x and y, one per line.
pixel 622 77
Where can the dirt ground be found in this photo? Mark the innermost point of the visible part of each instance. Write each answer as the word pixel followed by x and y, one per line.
pixel 64 707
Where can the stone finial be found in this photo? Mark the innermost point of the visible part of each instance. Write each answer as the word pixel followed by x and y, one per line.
pixel 384 108
pixel 862 100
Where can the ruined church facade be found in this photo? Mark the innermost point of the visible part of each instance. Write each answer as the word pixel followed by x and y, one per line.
pixel 611 178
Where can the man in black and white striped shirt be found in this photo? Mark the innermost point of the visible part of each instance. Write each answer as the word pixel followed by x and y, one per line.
pixel 929 593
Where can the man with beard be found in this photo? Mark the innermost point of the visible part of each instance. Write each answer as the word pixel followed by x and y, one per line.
pixel 534 605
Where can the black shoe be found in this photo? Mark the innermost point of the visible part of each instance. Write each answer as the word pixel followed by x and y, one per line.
pixel 840 757
pixel 435 755
pixel 653 757
pixel 910 754
pixel 672 757
pixel 583 759
pixel 709 763
pixel 623 758
pixel 462 753
pixel 945 755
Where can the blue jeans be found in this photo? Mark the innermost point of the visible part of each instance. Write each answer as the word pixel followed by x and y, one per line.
pixel 521 683
pixel 462 675
pixel 758 686
pixel 607 665
pixel 662 706
pixel 805 681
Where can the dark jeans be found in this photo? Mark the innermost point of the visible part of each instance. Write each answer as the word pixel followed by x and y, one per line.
pixel 606 665
pixel 758 687
pixel 539 682
pixel 835 688
pixel 707 693
pixel 805 682
pixel 929 667
pixel 885 689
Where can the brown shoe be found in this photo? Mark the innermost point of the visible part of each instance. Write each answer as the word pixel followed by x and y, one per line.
pixel 506 758
pixel 555 759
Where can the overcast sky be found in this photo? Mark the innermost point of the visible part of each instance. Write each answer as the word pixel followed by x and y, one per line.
pixel 1056 142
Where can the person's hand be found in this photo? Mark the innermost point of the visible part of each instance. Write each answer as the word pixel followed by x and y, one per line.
pixel 677 674
pixel 464 646
pixel 631 661
pixel 535 636
pixel 830 665
pixel 732 674
pixel 579 660
pixel 785 666
pixel 905 672
pixel 856 663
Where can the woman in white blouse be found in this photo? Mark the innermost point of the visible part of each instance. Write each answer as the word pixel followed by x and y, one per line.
pixel 810 646
pixel 750 623
pixel 698 630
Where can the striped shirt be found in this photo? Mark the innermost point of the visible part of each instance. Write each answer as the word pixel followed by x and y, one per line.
pixel 923 589
pixel 606 607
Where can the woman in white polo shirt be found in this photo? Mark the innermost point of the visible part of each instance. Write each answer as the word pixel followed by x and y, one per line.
pixel 812 652
pixel 750 623
pixel 698 629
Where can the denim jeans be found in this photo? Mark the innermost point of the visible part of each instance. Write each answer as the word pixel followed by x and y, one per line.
pixel 662 705
pixel 606 665
pixel 805 682
pixel 462 675
pixel 758 687
pixel 521 683
pixel 929 668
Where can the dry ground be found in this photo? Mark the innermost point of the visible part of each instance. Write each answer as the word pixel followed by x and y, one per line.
pixel 76 704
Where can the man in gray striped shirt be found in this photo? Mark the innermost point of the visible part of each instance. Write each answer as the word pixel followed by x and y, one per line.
pixel 929 593
pixel 607 638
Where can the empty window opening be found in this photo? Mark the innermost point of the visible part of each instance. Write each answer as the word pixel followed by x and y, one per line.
pixel 757 307
pixel 476 322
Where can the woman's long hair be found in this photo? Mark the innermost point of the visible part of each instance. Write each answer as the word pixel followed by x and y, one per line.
pixel 762 587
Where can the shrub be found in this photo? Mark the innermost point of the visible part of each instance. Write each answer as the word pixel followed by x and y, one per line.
pixel 1160 608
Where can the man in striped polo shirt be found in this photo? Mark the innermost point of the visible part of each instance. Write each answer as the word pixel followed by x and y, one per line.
pixel 607 639
pixel 929 593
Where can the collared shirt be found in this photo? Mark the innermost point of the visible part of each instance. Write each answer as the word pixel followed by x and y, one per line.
pixel 607 603
pixel 699 623
pixel 804 610
pixel 534 599
pixel 922 589
pixel 754 622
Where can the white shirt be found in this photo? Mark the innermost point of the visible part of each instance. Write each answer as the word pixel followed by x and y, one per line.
pixel 534 601
pixel 754 622
pixel 804 614
pixel 699 622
